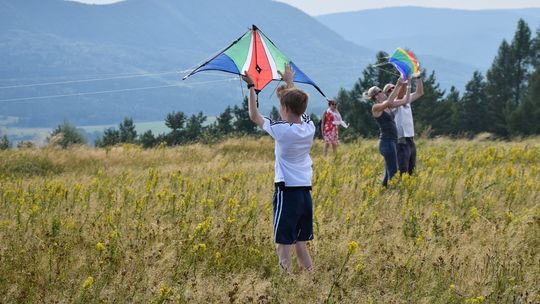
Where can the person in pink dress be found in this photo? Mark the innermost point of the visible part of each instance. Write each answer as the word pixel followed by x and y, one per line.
pixel 331 119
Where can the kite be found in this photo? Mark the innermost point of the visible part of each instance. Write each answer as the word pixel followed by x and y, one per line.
pixel 405 62
pixel 255 53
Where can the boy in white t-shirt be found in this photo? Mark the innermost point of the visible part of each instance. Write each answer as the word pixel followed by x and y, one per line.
pixel 293 135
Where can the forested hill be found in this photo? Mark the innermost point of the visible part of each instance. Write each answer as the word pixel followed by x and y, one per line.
pixel 452 42
pixel 44 41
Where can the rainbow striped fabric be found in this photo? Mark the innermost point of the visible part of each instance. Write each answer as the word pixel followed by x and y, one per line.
pixel 405 62
pixel 256 54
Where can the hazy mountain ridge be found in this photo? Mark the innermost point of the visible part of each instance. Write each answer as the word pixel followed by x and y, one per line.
pixel 443 39
pixel 58 40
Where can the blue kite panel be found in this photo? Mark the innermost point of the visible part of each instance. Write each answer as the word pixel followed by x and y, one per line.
pixel 402 67
pixel 299 76
pixel 220 63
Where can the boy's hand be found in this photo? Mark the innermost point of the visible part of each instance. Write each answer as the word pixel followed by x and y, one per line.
pixel 247 78
pixel 288 75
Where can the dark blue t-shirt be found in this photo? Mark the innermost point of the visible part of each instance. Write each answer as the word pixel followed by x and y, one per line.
pixel 387 126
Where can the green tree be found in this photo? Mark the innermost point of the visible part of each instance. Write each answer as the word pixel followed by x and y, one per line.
pixel 431 115
pixel 522 56
pixel 242 123
pixel 26 144
pixel 447 110
pixel 474 106
pixel 499 90
pixel 525 120
pixel 224 122
pixel 5 143
pixel 535 49
pixel 317 122
pixel 175 120
pixel 194 126
pixel 147 139
pixel 274 114
pixel 110 137
pixel 66 135
pixel 127 131
pixel 507 79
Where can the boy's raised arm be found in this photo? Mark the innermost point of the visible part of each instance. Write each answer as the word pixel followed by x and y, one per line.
pixel 254 114
pixel 287 76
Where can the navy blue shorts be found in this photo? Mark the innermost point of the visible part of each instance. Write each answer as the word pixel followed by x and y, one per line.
pixel 293 214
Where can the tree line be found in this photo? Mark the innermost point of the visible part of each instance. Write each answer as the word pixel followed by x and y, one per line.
pixel 234 121
pixel 505 102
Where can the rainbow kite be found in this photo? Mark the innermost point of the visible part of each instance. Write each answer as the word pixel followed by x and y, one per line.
pixel 255 53
pixel 405 62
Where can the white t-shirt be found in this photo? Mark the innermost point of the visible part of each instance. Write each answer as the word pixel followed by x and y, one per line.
pixel 404 121
pixel 293 144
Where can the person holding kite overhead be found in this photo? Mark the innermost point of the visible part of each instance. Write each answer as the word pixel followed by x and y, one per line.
pixel 406 149
pixel 292 205
pixel 387 127
pixel 331 119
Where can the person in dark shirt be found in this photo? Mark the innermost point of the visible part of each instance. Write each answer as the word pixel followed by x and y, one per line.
pixel 387 127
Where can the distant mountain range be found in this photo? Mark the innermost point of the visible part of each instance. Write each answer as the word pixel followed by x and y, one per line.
pixel 44 41
pixel 62 44
pixel 452 42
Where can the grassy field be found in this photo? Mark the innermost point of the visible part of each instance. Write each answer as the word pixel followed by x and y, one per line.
pixel 193 225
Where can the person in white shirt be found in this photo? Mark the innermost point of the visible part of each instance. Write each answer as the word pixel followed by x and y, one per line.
pixel 406 148
pixel 292 204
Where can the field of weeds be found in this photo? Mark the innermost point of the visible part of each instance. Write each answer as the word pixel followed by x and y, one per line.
pixel 193 225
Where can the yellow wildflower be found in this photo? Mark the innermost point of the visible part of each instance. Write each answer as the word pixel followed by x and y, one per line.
pixel 473 213
pixel 352 247
pixel 164 291
pixel 88 282
pixel 420 241
pixel 509 217
pixel 199 248
pixel 358 268
pixel 100 246
pixel 35 209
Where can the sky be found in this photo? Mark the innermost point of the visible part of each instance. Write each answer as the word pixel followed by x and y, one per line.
pixel 321 7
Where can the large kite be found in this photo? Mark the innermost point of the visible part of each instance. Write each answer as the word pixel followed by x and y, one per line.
pixel 256 54
pixel 405 62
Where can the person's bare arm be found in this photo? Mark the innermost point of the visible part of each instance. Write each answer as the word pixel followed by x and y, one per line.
pixel 419 92
pixel 378 108
pixel 406 99
pixel 254 113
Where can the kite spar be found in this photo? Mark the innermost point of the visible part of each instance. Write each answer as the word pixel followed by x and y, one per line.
pixel 255 53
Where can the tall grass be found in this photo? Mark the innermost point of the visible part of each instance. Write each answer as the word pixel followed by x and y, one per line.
pixel 193 224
